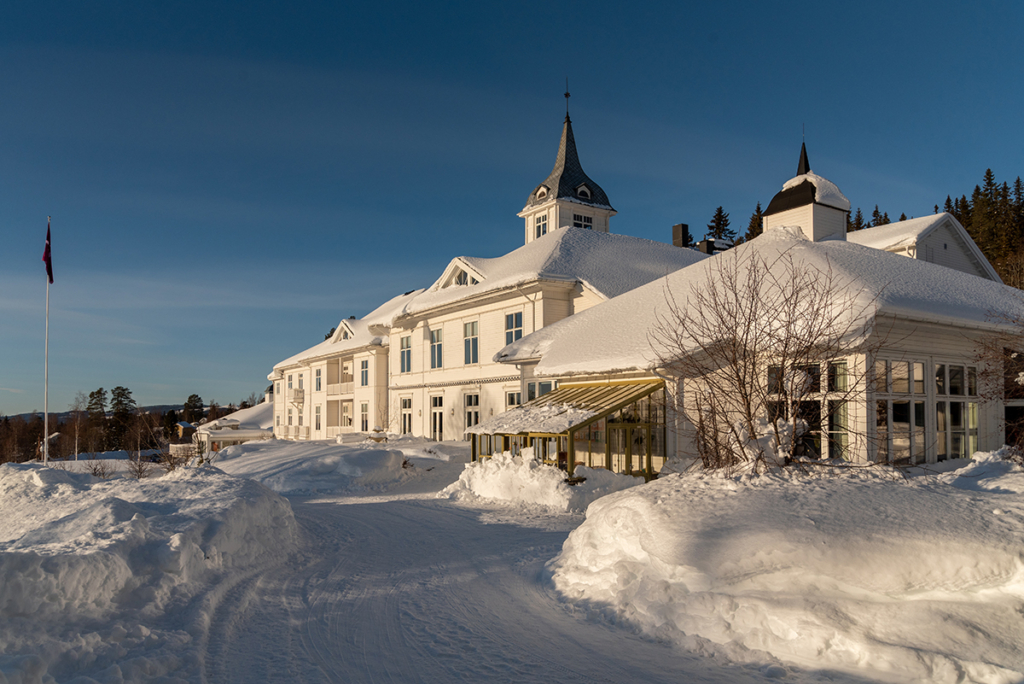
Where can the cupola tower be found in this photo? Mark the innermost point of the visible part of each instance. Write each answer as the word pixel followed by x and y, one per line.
pixel 567 197
pixel 811 202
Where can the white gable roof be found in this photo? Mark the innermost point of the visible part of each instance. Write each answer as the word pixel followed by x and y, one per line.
pixel 608 264
pixel 613 336
pixel 909 233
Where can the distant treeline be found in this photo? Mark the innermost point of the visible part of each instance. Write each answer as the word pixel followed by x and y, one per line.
pixel 92 424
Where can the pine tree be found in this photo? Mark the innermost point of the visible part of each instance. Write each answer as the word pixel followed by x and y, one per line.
pixel 97 406
pixel 903 217
pixel 885 219
pixel 858 222
pixel 876 218
pixel 122 408
pixel 193 408
pixel 756 224
pixel 719 226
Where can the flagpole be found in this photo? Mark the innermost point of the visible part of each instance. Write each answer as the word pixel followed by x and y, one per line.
pixel 46 368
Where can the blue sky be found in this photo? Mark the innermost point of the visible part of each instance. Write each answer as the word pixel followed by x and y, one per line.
pixel 228 180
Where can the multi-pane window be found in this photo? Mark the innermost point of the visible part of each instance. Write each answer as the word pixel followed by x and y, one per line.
pixel 472 410
pixel 277 388
pixel 581 221
pixel 537 389
pixel 437 418
pixel 471 340
pixel 513 399
pixel 364 373
pixel 405 354
pixel 289 415
pixel 317 382
pixel 956 415
pixel 513 327
pixel 821 417
pixel 317 422
pixel 277 421
pixel 436 349
pixel 300 381
pixel 289 382
pixel 364 416
pixel 900 418
pixel 541 225
pixel 406 415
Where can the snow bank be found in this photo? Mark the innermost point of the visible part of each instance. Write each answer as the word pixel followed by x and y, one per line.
pixel 328 467
pixel 520 479
pixel 908 580
pixel 76 550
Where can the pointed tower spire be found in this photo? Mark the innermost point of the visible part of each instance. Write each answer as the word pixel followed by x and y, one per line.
pixel 568 197
pixel 804 167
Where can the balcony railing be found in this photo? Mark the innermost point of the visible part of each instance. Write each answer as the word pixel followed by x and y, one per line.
pixel 298 396
pixel 340 388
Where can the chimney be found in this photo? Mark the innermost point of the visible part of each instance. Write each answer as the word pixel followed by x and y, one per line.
pixel 681 235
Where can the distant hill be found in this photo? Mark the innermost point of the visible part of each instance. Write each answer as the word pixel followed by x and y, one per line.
pixel 159 408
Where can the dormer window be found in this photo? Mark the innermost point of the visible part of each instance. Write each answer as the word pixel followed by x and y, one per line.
pixel 542 192
pixel 583 192
pixel 462 278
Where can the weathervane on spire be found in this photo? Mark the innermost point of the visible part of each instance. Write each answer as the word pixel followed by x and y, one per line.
pixel 567 97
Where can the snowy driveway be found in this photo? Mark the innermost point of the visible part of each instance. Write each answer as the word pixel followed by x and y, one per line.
pixel 421 590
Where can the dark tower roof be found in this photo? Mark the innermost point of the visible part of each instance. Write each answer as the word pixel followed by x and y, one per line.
pixel 568 176
pixel 806 188
pixel 804 167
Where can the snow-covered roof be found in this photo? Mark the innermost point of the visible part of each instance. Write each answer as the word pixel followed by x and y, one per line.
pixel 902 234
pixel 826 192
pixel 613 336
pixel 258 417
pixel 896 235
pixel 606 263
pixel 385 314
pixel 358 333
pixel 567 407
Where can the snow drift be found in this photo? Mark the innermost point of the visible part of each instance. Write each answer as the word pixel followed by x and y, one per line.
pixel 522 480
pixel 321 467
pixel 918 580
pixel 76 551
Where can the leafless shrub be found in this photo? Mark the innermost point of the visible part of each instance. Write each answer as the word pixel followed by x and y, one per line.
pixel 171 460
pixel 138 467
pixel 99 467
pixel 770 352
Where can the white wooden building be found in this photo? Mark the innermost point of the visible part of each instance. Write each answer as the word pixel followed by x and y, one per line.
pixel 422 363
pixel 919 397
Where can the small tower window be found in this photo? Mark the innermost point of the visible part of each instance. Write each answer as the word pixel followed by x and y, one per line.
pixel 580 221
pixel 583 192
pixel 541 223
pixel 542 192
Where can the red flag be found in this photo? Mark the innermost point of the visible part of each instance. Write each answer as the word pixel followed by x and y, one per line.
pixel 46 253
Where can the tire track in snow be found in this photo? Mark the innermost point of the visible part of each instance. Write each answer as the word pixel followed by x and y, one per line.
pixel 422 591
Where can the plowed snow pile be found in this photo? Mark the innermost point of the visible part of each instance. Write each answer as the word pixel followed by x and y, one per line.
pixel 522 480
pixel 917 580
pixel 92 570
pixel 321 467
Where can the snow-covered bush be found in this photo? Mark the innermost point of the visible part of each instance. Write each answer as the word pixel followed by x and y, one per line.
pixel 521 479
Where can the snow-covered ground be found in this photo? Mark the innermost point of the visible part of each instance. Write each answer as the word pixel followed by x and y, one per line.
pixel 201 576
pixel 900 580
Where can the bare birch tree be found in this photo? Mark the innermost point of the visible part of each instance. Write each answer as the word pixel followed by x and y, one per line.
pixel 768 349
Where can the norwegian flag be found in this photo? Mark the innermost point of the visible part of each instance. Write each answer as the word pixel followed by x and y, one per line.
pixel 46 253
